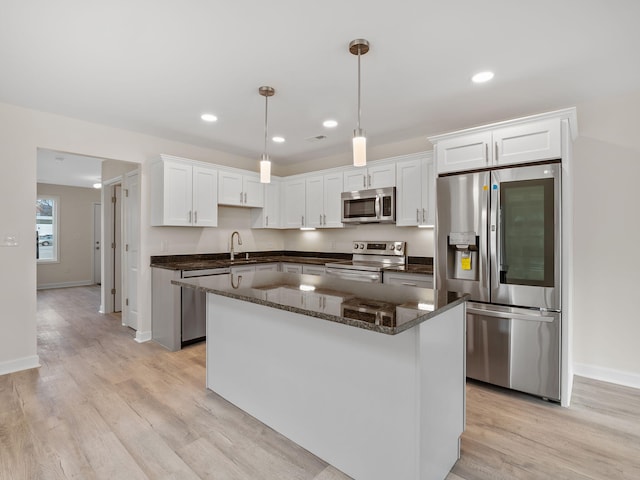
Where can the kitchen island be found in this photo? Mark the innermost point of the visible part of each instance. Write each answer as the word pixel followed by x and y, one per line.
pixel 368 377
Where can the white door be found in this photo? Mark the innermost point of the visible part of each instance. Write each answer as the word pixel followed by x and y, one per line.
pixel 117 249
pixel 97 252
pixel 132 248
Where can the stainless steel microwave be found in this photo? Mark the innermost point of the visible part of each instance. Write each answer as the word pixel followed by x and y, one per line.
pixel 377 205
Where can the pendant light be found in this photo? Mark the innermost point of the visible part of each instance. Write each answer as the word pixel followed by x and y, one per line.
pixel 359 47
pixel 265 163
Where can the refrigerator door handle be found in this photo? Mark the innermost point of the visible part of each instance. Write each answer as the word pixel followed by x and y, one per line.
pixel 512 313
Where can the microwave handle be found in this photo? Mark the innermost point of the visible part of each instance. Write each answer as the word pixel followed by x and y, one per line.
pixel 378 207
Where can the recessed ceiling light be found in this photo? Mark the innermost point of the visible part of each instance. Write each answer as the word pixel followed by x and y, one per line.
pixel 482 77
pixel 329 123
pixel 209 117
pixel 97 185
pixel 278 139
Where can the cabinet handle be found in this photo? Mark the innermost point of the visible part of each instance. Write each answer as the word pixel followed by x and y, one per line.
pixel 189 216
pixel 245 197
pixel 240 197
pixel 320 221
pixel 267 220
pixel 417 215
pixel 486 153
pixel 195 217
pixel 496 153
pixel 424 215
pixel 409 284
pixel 324 218
pixel 302 222
pixel 369 179
pixel 364 181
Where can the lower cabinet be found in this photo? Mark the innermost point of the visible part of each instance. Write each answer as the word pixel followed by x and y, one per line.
pixel 268 267
pixel 291 267
pixel 408 279
pixel 313 269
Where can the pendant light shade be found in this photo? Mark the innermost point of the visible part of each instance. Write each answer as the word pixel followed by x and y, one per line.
pixel 265 163
pixel 359 47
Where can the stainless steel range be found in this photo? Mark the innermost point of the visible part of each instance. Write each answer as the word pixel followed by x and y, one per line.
pixel 368 261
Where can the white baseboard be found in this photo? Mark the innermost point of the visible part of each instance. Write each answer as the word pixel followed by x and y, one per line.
pixel 83 283
pixel 619 377
pixel 19 364
pixel 142 337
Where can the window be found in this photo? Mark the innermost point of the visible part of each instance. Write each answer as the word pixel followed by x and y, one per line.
pixel 47 213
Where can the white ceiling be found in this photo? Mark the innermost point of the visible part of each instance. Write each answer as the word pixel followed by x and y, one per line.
pixel 60 168
pixel 155 66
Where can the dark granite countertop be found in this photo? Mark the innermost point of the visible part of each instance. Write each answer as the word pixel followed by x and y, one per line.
pixel 417 265
pixel 221 260
pixel 387 309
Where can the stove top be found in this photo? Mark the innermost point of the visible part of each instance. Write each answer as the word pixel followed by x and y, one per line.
pixel 373 256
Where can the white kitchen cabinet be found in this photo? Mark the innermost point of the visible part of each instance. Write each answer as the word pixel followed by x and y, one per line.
pixel 269 216
pixel 407 279
pixel 293 203
pixel 373 176
pixel 313 269
pixel 239 269
pixel 267 267
pixel 183 193
pixel 291 267
pixel 240 189
pixel 415 191
pixel 497 145
pixel 322 200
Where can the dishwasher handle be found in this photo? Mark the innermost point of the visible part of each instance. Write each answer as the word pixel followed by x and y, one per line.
pixel 513 313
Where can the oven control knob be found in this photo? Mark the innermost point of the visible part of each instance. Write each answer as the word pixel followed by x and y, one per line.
pixel 361 245
pixel 356 246
pixel 392 247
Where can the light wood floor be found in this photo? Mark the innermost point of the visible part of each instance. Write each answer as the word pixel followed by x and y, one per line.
pixel 104 407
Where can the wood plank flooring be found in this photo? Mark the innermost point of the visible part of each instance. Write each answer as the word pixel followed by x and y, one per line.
pixel 104 407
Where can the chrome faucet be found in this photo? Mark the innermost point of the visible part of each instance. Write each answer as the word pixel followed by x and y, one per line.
pixel 232 252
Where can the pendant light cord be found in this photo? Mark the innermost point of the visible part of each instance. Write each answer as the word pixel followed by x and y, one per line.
pixel 266 124
pixel 359 109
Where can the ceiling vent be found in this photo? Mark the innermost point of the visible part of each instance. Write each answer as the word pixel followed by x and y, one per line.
pixel 316 138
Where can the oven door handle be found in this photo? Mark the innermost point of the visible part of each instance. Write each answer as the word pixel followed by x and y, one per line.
pixel 361 276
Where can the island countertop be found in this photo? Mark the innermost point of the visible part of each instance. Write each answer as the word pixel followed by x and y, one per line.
pixel 387 309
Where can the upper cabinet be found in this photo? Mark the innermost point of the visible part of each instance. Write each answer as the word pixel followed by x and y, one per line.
pixel 520 141
pixel 322 199
pixel 415 191
pixel 293 203
pixel 240 189
pixel 269 216
pixel 183 193
pixel 373 176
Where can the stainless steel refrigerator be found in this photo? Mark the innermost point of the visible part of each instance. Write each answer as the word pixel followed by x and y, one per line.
pixel 499 240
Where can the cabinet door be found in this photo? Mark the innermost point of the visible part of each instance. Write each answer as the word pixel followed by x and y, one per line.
pixel 355 179
pixel 268 267
pixel 178 194
pixel 252 191
pixel 409 193
pixel 293 196
pixel 291 268
pixel 313 269
pixel 527 143
pixel 467 152
pixel 314 188
pixel 380 176
pixel 230 188
pixel 332 216
pixel 243 269
pixel 205 197
pixel 428 192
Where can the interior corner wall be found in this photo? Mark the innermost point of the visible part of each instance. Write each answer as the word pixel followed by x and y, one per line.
pixel 22 132
pixel 606 226
pixel 75 237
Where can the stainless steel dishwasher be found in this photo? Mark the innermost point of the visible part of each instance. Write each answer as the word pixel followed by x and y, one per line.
pixel 194 307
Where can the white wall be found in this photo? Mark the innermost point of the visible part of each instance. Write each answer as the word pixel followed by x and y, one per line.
pixel 606 167
pixel 75 237
pixel 420 241
pixel 22 132
pixel 606 231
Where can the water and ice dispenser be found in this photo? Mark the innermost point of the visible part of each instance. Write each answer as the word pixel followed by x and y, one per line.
pixel 462 256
